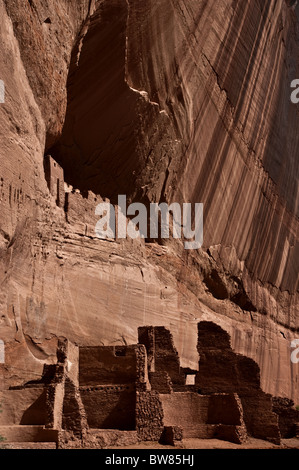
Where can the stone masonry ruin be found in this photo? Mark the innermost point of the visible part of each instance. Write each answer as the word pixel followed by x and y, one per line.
pixel 54 175
pixel 101 396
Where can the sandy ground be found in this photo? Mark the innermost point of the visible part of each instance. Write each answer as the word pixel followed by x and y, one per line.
pixel 217 444
pixel 186 444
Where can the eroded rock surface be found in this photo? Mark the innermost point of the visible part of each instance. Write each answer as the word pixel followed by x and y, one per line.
pixel 103 396
pixel 162 100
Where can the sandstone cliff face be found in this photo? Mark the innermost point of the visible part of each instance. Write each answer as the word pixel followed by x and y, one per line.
pixel 185 101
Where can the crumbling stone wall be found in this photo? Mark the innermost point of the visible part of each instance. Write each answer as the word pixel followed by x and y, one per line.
pixel 161 382
pixel 55 179
pixel 221 370
pixel 99 396
pixel 109 378
pixel 188 410
pixel 65 410
pixel 149 416
pixel 110 407
pixel 163 358
pixel 288 416
pixel 107 365
pixel 94 389
pixel 74 417
pixel 80 210
pixel 142 378
pixel 205 416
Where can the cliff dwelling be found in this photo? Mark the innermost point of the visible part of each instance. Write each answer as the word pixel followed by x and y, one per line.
pixel 101 396
pixel 116 337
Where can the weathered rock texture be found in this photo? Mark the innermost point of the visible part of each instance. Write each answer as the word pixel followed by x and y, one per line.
pixel 288 416
pixel 101 396
pixel 222 370
pixel 185 101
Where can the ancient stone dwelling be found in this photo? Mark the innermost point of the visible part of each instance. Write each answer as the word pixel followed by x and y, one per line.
pixel 99 396
pixel 54 175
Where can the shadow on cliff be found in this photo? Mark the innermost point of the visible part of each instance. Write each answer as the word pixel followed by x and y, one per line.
pixel 97 146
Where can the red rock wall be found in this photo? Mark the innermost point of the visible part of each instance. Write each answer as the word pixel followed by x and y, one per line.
pixel 161 100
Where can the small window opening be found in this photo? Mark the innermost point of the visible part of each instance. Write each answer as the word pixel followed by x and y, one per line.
pixel 190 379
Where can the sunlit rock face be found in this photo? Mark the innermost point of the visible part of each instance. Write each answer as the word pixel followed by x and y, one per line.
pixel 174 101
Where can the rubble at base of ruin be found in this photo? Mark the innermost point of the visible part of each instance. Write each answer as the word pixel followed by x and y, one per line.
pixel 101 396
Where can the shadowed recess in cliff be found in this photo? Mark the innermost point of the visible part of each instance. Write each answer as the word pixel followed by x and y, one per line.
pixel 110 128
pixel 96 149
